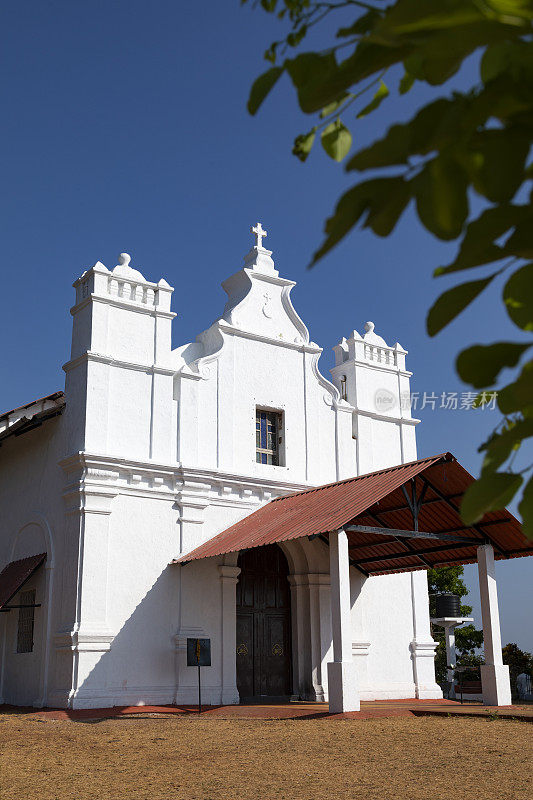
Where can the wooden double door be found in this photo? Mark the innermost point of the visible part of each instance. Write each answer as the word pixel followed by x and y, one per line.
pixel 263 626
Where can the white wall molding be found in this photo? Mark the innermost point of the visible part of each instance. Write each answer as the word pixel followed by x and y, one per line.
pixel 100 358
pixel 234 330
pixel 360 648
pixel 187 632
pixel 78 641
pixel 130 305
pixel 386 417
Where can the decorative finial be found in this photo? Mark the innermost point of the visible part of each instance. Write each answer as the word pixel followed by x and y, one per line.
pixel 124 270
pixel 124 259
pixel 369 327
pixel 260 233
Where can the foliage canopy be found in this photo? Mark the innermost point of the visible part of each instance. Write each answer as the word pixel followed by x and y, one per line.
pixel 476 141
pixel 468 640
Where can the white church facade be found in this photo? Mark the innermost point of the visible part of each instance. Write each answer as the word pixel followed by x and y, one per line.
pixel 150 453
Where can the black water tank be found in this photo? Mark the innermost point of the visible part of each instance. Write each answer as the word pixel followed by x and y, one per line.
pixel 448 605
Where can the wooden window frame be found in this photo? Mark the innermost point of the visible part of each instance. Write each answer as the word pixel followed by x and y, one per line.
pixel 272 418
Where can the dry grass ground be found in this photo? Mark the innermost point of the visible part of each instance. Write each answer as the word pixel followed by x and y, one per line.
pixel 170 758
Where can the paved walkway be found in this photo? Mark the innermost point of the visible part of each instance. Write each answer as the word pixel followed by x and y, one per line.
pixel 298 710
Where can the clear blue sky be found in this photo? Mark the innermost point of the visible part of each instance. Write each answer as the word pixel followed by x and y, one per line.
pixel 125 128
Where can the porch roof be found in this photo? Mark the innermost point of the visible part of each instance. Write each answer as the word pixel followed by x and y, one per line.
pixel 15 574
pixel 376 512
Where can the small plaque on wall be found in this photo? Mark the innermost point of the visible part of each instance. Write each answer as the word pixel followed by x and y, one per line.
pixel 198 652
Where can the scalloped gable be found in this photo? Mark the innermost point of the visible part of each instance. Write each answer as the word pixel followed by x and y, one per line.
pixel 259 301
pixel 258 307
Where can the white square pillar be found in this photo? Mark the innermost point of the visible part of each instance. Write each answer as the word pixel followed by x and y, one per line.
pixel 342 685
pixel 422 646
pixel 301 662
pixel 494 673
pixel 228 580
pixel 320 630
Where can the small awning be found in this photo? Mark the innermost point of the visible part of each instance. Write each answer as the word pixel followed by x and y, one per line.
pixel 14 576
pixel 376 510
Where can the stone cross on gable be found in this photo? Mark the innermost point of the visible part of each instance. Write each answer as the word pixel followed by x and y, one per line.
pixel 260 233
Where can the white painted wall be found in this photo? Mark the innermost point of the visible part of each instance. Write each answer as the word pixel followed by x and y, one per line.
pixel 31 522
pixel 155 453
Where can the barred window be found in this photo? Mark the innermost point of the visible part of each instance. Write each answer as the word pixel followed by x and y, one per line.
pixel 267 436
pixel 26 619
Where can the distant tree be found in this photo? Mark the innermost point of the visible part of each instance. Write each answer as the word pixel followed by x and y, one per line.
pixel 468 640
pixel 519 661
pixel 474 142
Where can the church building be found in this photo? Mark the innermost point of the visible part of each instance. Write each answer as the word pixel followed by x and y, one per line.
pixel 227 490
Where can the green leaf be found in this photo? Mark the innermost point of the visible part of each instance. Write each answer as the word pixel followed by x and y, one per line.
pixel 261 87
pixel 303 144
pixel 509 59
pixel 364 24
pixel 409 16
pixel 512 8
pixel 433 68
pixel 379 197
pixel 497 162
pixel 491 491
pixel 384 214
pixel 480 364
pixel 436 125
pixel 269 5
pixel 270 54
pixel 478 245
pixel 393 149
pixel 336 140
pixel 518 396
pixel 327 84
pixel 348 212
pixel 496 60
pixel 441 197
pixel 331 107
pixel 518 297
pixel 295 37
pixel 452 302
pixel 526 509
pixel 442 33
pixel 406 83
pixel 520 243
pixel 310 72
pixel 376 101
pixel 500 446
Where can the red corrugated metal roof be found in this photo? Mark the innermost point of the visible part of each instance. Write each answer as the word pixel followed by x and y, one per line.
pixel 15 575
pixel 377 500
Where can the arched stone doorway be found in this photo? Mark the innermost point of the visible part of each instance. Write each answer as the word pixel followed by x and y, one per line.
pixel 263 640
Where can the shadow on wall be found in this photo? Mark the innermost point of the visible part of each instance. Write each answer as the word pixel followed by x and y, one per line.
pixel 140 667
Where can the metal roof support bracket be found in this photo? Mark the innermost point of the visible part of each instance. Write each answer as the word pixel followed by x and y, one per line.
pixel 445 537
pixel 414 502
pixel 478 528
pixel 403 542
